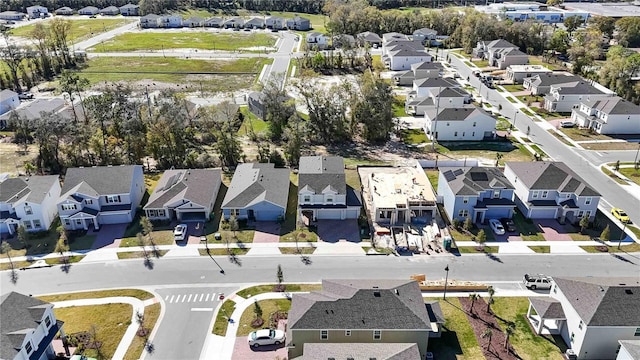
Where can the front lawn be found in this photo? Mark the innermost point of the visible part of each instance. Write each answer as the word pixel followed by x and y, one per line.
pixel 577 134
pixel 160 41
pixel 514 88
pixel 297 251
pixel 252 123
pixel 458 340
pixel 478 249
pixel 414 136
pixel 510 150
pixel 433 175
pixel 528 230
pixel 268 307
pixel 261 289
pixel 481 63
pixel 151 315
pixel 511 100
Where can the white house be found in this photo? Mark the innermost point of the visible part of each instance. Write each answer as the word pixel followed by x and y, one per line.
pixel 110 10
pixel 28 201
pixel 612 115
pixel 540 84
pixel 89 10
pixel 12 15
pixel 563 98
pixel 194 21
pixel 100 195
pixel 170 21
pixel 214 22
pixel 517 73
pixel 551 190
pixel 150 21
pixel 425 35
pixel 426 87
pixel 8 101
pixel 28 327
pixel 129 10
pixel 418 71
pixel 466 123
pixel 439 97
pixel 37 12
pixel 317 40
pixel 402 59
pixel 500 53
pixel 629 350
pixel 591 314
pixel 275 22
pixel 322 190
pixel 400 43
pixel 531 11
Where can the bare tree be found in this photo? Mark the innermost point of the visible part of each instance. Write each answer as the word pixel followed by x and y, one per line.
pixel 473 297
pixel 488 333
pixel 491 291
pixel 508 332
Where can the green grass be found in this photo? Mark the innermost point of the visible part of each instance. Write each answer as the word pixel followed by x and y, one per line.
pixel 541 249
pixel 110 322
pixel 398 106
pixel 353 179
pixel 289 226
pixel 261 289
pixel 413 136
pixel 158 41
pixel 222 318
pixel 514 88
pixel 527 229
pixel 252 122
pixel 268 307
pixel 16 265
pixel 631 173
pixel 61 261
pixel 223 252
pixel 80 29
pixel 458 340
pixel 511 100
pixel 468 63
pixel 613 176
pixel 136 293
pixel 376 62
pixel 560 137
pixel 537 149
pixel 432 175
pixel 525 111
pixel 624 248
pixel 160 237
pixel 304 236
pixel 578 134
pixel 481 63
pixel 44 242
pixel 477 250
pixel 298 251
pixel 151 315
pixel 510 150
pixel 140 254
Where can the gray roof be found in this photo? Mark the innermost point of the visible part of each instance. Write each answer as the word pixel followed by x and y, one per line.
pixel 378 351
pixel 319 172
pixel 425 65
pixel 129 6
pixel 407 52
pixel 435 311
pixel 255 20
pixel 452 93
pixel 6 94
pixel 425 31
pixel 388 37
pixel 611 301
pixel 89 8
pixel 110 8
pixel 548 308
pixel 195 19
pixel 421 101
pixel 436 82
pixel 151 17
pixel 369 36
pixel 33 109
pixel 453 114
pixel 361 304
pixel 34 187
pixel 474 180
pixel 19 315
pixel 632 347
pixel 99 180
pixel 614 105
pixel 499 44
pixel 404 44
pixel 549 175
pixel 192 185
pixel 512 52
pixel 214 20
pixel 577 87
pixel 253 182
pixel 548 79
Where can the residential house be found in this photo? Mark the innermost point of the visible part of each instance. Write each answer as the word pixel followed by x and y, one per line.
pixel 479 193
pixel 170 21
pixel 551 190
pixel 593 315
pixel 100 195
pixel 9 100
pixel 34 109
pixel 401 58
pixel 275 23
pixel 427 86
pixel 12 15
pixel 258 192
pixel 612 115
pixel 437 97
pixel 28 201
pixel 373 40
pixel 110 11
pixel 194 21
pixel 214 22
pixel 398 44
pixel 344 318
pixel 563 98
pixel 629 350
pixel 343 41
pixel 393 36
pixel 27 328
pixel 65 10
pixel 425 36
pixel 37 12
pixel 418 71
pixel 500 53
pixel 317 40
pixel 517 73
pixel 255 100
pixel 299 23
pixel 465 123
pixel 233 23
pixel 255 23
pixel 89 10
pixel 541 84
pixel 184 195
pixel 323 192
pixel 129 10
pixel 150 21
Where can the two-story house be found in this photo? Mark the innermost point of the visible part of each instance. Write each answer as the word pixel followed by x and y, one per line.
pixel 110 11
pixel 369 39
pixel 65 10
pixel 418 71
pixel 193 22
pixel 233 23
pixel 591 314
pixel 322 190
pixel 170 21
pixel 425 35
pixel 517 73
pixel 100 195
pixel 540 84
pixel 441 97
pixel 129 10
pixel 37 12
pixel 481 193
pixel 563 98
pixel 500 53
pixel 426 87
pixel 551 190
pixel 214 22
pixel 369 315
pixel 317 40
pixel 88 10
pixel 184 195
pixel 298 23
pixel 27 328
pixel 275 23
pixel 464 123
pixel 150 21
pixel 28 201
pixel 612 115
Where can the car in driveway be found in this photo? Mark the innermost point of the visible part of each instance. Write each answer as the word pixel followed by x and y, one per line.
pixel 508 224
pixel 266 337
pixel 536 281
pixel 180 232
pixel 496 226
pixel 620 215
pixel 25 96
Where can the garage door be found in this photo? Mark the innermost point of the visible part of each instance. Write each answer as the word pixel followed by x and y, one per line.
pixel 353 214
pixel 325 214
pixel 265 215
pixel 543 213
pixel 119 218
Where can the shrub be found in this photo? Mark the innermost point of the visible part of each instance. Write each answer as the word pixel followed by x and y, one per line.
pixel 456 224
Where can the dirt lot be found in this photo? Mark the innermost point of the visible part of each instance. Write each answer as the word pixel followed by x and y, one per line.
pixel 12 158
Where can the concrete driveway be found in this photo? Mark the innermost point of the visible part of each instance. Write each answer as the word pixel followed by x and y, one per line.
pixel 266 232
pixel 338 230
pixel 242 351
pixel 109 236
pixel 552 230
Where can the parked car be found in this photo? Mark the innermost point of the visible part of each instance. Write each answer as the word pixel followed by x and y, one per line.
pixel 180 232
pixel 538 281
pixel 496 226
pixel 25 96
pixel 620 215
pixel 266 337
pixel 567 124
pixel 508 224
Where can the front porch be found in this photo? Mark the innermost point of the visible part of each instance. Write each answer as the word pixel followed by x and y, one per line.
pixel 81 221
pixel 546 316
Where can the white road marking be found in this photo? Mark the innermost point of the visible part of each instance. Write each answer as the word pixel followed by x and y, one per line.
pixel 171 299
pixel 190 295
pixel 184 298
pixel 202 309
pixel 166 297
pixel 201 297
pixel 207 299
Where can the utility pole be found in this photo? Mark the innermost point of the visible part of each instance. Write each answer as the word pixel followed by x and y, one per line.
pixel 435 123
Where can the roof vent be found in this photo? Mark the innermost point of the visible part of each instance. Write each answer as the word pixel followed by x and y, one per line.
pixel 376 293
pixel 396 291
pixel 628 291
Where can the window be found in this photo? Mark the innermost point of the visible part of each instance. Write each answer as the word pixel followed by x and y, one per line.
pixel 555 289
pixel 545 193
pixel 47 322
pixel 580 325
pixel 78 222
pixel 463 134
pixel 307 198
pixel 66 207
pixel 587 201
pixel 496 194
pixel 235 212
pixel 27 225
pixel 113 198
pixel 347 333
pixel 580 213
pixel 473 133
pixel 455 133
pixel 463 213
pixel 587 213
pixel 28 347
pixel 535 195
pixel 465 200
pixel 28 210
pixel 161 213
pixel 324 334
pixel 377 334
pixel 37 224
pixel 329 200
pixel 67 222
pixel 88 201
pixel 637 333
pixel 572 336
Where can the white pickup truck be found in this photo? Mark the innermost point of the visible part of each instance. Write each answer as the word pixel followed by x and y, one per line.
pixel 537 281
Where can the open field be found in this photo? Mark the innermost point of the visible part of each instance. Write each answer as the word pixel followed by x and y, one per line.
pixel 149 41
pixel 510 151
pixel 13 158
pixel 80 29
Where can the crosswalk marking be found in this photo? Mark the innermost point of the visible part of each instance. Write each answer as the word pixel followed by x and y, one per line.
pixel 201 296
pixel 191 298
pixel 207 299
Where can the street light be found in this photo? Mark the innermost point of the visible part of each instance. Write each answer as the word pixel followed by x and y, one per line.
pixel 635 161
pixel 622 235
pixel 446 280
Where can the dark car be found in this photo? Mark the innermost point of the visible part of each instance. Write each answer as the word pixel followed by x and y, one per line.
pixel 508 224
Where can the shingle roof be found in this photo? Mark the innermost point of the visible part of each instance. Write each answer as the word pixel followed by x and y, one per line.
pixel 474 180
pixel 407 52
pixel 129 6
pixel 378 351
pixel 577 87
pixel 425 31
pixel 319 172
pixel 549 175
pixel 614 105
pixel 421 101
pixel 192 185
pixel 103 180
pixel 548 308
pixel 436 82
pixel 369 36
pixel 426 66
pixel 452 114
pixel 500 44
pixel 6 94
pixel 601 301
pixel 35 188
pixel 33 109
pixel 255 182
pixel 19 315
pixel 452 93
pixel 632 347
pixel 548 79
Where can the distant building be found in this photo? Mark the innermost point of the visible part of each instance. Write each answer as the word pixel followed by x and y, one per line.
pixel 194 21
pixel 425 35
pixel 418 71
pixel 517 73
pixel 465 123
pixel 12 15
pixel 563 98
pixel 317 40
pixel 89 10
pixel 110 11
pixel 276 23
pixel 500 53
pixel 214 22
pixel 8 101
pixel 255 101
pixel 170 21
pixel 129 10
pixel 150 21
pixel 299 23
pixel 369 38
pixel 531 11
pixel 255 23
pixel 65 10
pixel 233 23
pixel 37 12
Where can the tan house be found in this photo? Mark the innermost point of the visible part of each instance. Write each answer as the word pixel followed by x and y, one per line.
pixel 353 318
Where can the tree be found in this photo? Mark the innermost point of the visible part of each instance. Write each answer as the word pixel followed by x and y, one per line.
pixel 508 332
pixel 488 333
pixel 257 310
pixel 473 297
pixel 234 225
pixel 491 291
pixel 606 25
pixel 628 31
pixel 481 238
pixel 22 235
pixel 560 41
pixel 6 249
pixel 29 168
pixel 60 29
pixel 468 223
pixel 616 167
pixel 553 2
pixel 72 84
pixel 572 23
pixel 374 107
pixel 143 244
pixel 12 56
pixel 294 135
pixel 147 228
pixel 499 156
pixel 606 234
pixel 584 223
pixel 278 106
